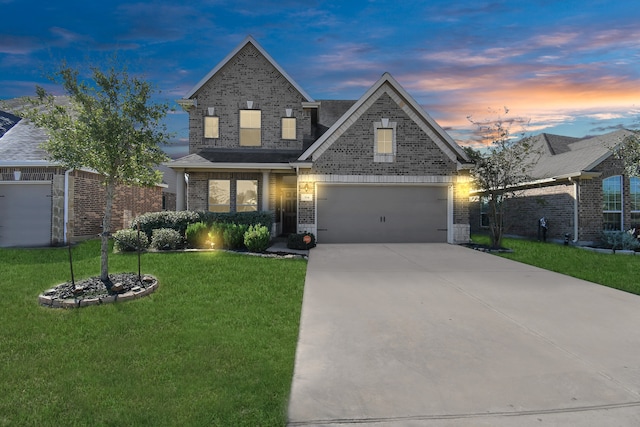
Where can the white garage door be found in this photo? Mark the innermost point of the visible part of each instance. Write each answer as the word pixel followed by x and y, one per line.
pixel 25 214
pixel 381 213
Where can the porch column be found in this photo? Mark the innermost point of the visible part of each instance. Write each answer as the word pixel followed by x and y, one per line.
pixel 180 190
pixel 265 190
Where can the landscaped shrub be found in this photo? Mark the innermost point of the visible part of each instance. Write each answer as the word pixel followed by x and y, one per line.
pixel 233 235
pixel 216 234
pixel 127 240
pixel 242 218
pixel 197 235
pixel 164 239
pixel 257 238
pixel 620 240
pixel 301 241
pixel 177 221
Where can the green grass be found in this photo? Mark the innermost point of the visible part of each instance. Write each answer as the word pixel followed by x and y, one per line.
pixel 213 346
pixel 616 271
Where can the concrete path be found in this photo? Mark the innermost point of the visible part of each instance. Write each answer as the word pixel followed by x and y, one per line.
pixel 442 335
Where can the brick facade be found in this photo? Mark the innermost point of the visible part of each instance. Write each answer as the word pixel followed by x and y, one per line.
pixel 248 76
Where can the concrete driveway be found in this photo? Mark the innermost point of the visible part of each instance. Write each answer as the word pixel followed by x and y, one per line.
pixel 442 335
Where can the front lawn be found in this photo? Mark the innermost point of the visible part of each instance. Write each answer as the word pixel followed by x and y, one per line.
pixel 616 271
pixel 213 346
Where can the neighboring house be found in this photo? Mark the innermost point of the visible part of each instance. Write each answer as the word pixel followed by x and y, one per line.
pixel 578 186
pixel 377 169
pixel 41 203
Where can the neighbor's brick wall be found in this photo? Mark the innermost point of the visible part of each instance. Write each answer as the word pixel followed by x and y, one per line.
pixel 87 204
pixel 248 76
pixel 554 202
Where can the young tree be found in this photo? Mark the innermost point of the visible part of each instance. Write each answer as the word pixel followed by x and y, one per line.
pixel 499 168
pixel 629 152
pixel 111 126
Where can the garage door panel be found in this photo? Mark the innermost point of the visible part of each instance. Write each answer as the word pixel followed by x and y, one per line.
pixel 381 214
pixel 25 215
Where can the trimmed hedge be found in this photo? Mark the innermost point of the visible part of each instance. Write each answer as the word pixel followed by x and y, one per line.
pixel 180 220
pixel 127 240
pixel 297 241
pixel 166 239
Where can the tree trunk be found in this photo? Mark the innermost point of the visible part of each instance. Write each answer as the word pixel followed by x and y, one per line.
pixel 106 232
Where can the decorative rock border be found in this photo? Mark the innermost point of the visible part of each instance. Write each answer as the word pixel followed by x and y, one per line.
pixel 147 286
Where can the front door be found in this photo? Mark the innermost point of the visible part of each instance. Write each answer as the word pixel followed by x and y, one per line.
pixel 289 211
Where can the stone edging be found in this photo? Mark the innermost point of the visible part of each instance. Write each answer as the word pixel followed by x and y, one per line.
pixel 134 293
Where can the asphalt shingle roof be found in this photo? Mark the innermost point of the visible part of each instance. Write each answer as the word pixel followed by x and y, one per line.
pixel 560 155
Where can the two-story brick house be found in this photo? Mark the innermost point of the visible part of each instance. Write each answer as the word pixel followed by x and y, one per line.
pixel 377 169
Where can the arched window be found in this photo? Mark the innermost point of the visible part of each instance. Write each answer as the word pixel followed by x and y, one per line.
pixel 612 203
pixel 634 190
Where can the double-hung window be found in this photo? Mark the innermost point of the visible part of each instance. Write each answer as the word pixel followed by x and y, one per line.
pixel 288 128
pixel 634 192
pixel 612 203
pixel 250 128
pixel 211 127
pixel 384 146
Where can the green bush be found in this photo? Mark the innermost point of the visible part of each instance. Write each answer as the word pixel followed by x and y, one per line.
pixel 164 239
pixel 257 238
pixel 241 218
pixel 296 241
pixel 216 234
pixel 177 221
pixel 127 240
pixel 620 240
pixel 233 235
pixel 197 235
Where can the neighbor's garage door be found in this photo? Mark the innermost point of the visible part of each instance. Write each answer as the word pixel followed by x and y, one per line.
pixel 381 214
pixel 25 214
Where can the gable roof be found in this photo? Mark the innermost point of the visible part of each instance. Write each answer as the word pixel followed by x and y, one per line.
pixel 7 121
pixel 21 145
pixel 252 41
pixel 573 156
pixel 387 84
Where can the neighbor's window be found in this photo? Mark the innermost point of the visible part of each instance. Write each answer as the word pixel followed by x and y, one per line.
pixel 384 148
pixel 219 195
pixel 612 203
pixel 288 128
pixel 211 127
pixel 246 195
pixel 250 127
pixel 634 190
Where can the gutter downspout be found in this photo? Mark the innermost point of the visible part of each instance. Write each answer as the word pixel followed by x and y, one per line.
pixel 66 205
pixel 576 205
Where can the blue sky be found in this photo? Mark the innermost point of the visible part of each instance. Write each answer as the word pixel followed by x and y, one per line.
pixel 565 67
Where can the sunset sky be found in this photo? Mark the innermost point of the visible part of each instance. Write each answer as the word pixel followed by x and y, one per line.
pixel 565 67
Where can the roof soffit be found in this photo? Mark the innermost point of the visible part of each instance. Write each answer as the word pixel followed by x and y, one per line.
pixel 221 64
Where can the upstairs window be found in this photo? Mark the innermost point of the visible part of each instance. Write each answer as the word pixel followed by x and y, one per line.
pixel 384 146
pixel 612 203
pixel 288 128
pixel 211 127
pixel 250 128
